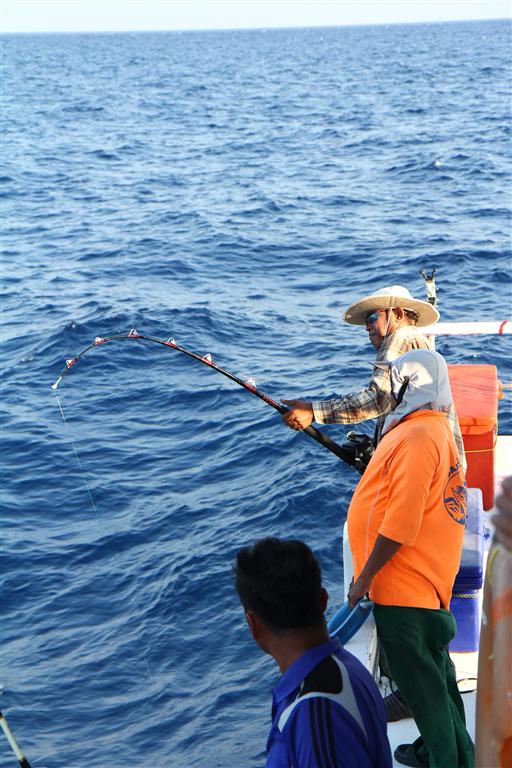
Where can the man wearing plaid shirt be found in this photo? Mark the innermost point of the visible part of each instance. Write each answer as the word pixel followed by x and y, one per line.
pixel 392 318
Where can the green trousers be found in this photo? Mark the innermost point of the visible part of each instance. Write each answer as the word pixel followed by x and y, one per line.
pixel 415 641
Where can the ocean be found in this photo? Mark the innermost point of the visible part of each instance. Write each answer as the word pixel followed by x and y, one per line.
pixel 234 190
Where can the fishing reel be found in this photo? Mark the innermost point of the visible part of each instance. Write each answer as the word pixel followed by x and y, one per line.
pixel 361 447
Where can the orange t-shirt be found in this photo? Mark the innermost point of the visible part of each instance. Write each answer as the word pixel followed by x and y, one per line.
pixel 414 492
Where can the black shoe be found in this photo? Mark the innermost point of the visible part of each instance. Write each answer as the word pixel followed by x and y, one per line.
pixel 396 708
pixel 406 755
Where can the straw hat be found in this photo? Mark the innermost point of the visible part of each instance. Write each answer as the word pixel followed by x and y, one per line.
pixel 387 298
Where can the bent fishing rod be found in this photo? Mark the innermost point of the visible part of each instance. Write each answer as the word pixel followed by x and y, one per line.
pixel 344 452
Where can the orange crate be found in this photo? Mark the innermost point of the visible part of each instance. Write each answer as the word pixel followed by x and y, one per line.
pixel 475 394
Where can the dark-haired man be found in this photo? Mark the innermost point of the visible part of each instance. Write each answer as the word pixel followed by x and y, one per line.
pixel 326 708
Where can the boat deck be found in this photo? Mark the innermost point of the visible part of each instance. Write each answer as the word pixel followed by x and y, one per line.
pixel 405 731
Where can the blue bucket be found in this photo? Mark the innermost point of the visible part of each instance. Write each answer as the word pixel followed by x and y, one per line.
pixel 464 607
pixel 347 621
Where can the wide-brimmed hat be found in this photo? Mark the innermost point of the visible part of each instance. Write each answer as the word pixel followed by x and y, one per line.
pixel 387 298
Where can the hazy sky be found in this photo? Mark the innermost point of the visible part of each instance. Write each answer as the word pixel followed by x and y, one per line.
pixel 118 15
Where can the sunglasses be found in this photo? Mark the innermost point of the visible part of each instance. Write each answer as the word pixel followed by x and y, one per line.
pixel 372 317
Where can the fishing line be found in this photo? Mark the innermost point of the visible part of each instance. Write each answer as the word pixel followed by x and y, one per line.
pixel 77 458
pixel 349 452
pixel 346 452
pixel 150 676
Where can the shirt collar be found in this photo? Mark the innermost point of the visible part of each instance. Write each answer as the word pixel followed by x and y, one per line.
pixel 295 674
pixel 404 330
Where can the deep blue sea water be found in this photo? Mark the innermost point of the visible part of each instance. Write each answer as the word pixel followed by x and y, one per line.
pixel 235 190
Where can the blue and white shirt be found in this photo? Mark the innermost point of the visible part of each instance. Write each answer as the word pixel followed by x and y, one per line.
pixel 327 712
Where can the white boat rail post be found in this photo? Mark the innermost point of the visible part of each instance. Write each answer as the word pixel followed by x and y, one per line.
pixel 348 563
pixel 364 644
pixel 430 286
pixel 492 327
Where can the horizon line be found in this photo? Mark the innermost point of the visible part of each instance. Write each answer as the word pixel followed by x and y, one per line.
pixel 248 29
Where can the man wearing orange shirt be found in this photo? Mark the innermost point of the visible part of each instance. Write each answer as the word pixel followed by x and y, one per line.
pixel 406 527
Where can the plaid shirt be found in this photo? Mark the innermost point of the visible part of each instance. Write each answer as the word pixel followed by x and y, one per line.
pixel 374 401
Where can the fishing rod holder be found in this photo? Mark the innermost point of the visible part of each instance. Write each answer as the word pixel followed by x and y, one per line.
pixel 430 285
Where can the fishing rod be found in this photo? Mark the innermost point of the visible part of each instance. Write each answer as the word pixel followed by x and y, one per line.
pixel 24 763
pixel 348 452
